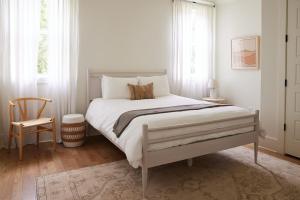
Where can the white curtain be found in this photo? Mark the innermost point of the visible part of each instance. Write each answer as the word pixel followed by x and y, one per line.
pixel 62 56
pixel 19 34
pixel 193 54
pixel 19 39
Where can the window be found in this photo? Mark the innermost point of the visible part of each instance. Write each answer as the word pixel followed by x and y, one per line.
pixel 199 34
pixel 43 41
pixel 193 50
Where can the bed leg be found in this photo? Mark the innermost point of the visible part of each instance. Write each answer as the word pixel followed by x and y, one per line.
pixel 144 180
pixel 257 131
pixel 255 151
pixel 87 129
pixel 190 162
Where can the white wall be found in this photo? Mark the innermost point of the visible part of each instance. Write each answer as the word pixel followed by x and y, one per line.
pixel 118 35
pixel 262 89
pixel 135 35
pixel 236 18
pixel 273 73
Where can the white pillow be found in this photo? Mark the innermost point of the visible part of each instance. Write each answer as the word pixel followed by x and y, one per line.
pixel 116 87
pixel 160 84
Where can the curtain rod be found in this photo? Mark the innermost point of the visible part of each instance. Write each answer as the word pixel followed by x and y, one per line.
pixel 202 2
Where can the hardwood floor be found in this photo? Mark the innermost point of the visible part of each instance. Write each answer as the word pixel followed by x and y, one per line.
pixel 277 155
pixel 17 178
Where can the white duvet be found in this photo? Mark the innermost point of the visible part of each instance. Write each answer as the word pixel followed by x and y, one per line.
pixel 103 113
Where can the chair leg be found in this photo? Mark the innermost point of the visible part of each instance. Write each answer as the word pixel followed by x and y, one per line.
pixel 10 136
pixel 21 132
pixel 16 143
pixel 54 133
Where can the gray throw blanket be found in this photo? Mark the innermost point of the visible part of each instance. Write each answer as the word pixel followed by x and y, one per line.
pixel 124 120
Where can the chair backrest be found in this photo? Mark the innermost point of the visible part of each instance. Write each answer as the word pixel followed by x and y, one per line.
pixel 22 104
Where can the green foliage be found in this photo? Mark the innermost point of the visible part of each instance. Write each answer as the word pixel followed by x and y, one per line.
pixel 43 54
pixel 44 13
pixel 43 43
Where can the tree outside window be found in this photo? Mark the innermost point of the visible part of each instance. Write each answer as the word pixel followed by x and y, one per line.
pixel 43 41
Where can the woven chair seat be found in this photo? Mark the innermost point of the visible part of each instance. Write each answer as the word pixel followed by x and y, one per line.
pixel 33 122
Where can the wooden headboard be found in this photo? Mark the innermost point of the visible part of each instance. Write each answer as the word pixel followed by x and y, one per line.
pixel 94 81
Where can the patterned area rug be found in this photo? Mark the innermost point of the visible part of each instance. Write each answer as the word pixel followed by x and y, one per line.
pixel 227 175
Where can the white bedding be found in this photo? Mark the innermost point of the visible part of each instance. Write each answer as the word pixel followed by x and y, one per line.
pixel 103 113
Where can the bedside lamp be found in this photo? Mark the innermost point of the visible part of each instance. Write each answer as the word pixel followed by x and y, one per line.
pixel 212 85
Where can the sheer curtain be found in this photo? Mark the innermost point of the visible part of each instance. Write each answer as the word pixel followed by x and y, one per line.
pixel 193 37
pixel 19 33
pixel 19 39
pixel 62 56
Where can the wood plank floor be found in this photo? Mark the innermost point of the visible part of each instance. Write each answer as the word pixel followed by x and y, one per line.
pixel 17 179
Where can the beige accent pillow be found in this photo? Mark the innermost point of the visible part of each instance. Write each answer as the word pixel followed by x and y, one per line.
pixel 138 92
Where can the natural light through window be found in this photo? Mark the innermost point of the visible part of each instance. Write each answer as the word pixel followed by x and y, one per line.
pixel 198 45
pixel 43 41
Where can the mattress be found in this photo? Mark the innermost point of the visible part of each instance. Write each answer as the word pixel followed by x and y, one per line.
pixel 103 113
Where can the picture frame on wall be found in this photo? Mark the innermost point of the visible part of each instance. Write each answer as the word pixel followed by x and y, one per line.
pixel 245 52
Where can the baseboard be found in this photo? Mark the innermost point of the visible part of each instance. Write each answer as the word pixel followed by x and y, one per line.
pixel 272 144
pixel 5 146
pixel 3 141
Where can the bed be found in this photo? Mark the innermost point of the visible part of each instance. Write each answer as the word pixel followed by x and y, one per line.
pixel 154 140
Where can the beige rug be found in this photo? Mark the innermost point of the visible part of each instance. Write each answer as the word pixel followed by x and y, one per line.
pixel 227 175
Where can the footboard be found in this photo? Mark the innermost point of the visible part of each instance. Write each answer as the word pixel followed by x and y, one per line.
pixel 152 158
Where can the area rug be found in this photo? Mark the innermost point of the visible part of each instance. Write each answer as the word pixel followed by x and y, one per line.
pixel 227 175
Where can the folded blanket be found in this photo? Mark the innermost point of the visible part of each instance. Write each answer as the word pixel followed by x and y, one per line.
pixel 124 120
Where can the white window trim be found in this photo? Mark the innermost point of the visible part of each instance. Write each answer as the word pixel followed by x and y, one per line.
pixel 42 79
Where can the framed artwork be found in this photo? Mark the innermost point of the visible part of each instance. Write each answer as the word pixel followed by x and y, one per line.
pixel 245 53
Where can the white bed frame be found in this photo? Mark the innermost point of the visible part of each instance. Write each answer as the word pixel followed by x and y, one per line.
pixel 183 152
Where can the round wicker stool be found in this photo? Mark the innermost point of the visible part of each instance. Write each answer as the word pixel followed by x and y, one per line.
pixel 73 130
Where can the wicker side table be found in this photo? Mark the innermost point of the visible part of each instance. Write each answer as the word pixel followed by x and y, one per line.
pixel 73 130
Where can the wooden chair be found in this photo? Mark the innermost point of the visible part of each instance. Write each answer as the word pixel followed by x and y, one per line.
pixel 26 125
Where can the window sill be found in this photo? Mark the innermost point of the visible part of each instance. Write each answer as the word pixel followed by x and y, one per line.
pixel 42 80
